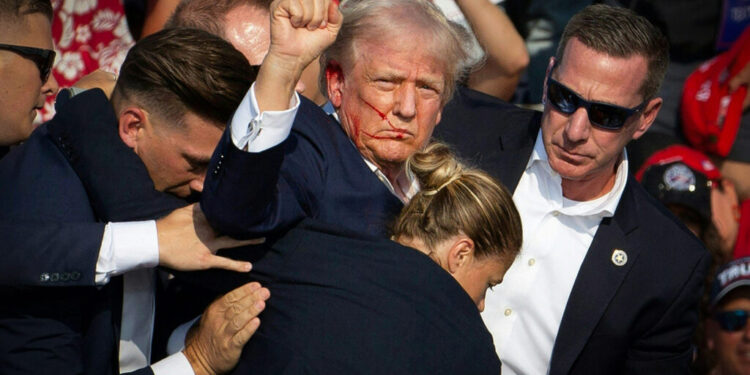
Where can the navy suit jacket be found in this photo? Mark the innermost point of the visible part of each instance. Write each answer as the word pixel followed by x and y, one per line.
pixel 317 172
pixel 347 303
pixel 635 319
pixel 69 329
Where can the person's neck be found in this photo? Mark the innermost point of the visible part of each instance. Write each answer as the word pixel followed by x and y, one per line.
pixel 393 173
pixel 589 189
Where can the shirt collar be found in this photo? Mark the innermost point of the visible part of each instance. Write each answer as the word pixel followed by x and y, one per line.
pixel 603 206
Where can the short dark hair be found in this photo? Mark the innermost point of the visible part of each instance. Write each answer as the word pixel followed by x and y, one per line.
pixel 13 9
pixel 180 69
pixel 209 15
pixel 619 32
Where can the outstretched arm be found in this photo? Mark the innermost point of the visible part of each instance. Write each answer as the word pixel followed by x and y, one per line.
pixel 507 57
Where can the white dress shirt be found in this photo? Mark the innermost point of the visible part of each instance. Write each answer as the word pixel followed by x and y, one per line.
pixel 524 312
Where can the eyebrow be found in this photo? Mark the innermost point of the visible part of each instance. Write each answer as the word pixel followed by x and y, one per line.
pixel 196 159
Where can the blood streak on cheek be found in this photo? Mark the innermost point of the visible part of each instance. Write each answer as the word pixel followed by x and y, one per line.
pixel 382 115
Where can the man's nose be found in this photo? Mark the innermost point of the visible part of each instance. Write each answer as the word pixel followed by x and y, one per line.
pixel 405 105
pixel 50 87
pixel 578 127
pixel 196 184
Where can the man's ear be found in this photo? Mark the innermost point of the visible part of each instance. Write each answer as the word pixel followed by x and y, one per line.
pixel 334 82
pixel 648 116
pixel 132 119
pixel 460 253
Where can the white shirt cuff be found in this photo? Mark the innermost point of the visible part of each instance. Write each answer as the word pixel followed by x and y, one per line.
pixel 125 247
pixel 254 131
pixel 175 364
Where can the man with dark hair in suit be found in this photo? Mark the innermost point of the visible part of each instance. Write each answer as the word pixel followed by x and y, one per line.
pixel 607 281
pixel 196 79
pixel 26 59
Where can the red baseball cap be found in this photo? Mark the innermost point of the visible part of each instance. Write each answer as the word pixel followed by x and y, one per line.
pixel 712 118
pixel 680 175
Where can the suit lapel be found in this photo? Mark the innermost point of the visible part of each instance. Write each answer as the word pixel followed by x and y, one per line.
pixel 598 280
pixel 509 160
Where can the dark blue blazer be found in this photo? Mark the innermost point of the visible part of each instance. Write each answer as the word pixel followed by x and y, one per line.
pixel 317 173
pixel 345 303
pixel 634 319
pixel 67 329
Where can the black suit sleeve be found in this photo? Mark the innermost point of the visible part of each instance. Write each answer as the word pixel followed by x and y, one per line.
pixel 32 253
pixel 249 195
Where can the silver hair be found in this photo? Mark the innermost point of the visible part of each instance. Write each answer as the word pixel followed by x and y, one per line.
pixel 371 19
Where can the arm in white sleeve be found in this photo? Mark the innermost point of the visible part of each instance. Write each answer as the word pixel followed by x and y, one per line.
pixel 125 247
pixel 175 364
pixel 254 131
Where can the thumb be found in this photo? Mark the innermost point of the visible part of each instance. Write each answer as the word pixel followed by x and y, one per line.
pixel 335 18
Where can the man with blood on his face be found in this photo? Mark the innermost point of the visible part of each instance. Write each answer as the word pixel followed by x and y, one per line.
pixel 390 71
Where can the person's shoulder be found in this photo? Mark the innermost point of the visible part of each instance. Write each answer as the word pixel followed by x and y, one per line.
pixel 466 100
pixel 662 230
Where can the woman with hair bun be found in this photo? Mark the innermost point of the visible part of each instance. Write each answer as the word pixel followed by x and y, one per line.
pixel 348 303
pixel 463 219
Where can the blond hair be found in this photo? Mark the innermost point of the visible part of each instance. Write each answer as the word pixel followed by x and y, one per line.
pixel 455 199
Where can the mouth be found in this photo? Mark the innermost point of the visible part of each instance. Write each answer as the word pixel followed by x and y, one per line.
pixel 570 156
pixel 394 133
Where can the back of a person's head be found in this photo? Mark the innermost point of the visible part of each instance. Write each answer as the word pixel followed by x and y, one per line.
pixel 458 200
pixel 12 10
pixel 620 32
pixel 178 70
pixel 209 15
pixel 383 21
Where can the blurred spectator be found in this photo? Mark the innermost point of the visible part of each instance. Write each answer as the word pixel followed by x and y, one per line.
pixel 88 35
pixel 541 24
pixel 504 49
pixel 727 331
pixel 697 30
pixel 683 179
pixel 245 24
pixel 715 121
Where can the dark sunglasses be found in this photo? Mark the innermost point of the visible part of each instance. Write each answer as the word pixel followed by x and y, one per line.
pixel 603 115
pixel 43 58
pixel 733 320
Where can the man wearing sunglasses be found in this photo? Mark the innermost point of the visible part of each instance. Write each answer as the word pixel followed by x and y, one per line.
pixel 26 58
pixel 607 282
pixel 727 331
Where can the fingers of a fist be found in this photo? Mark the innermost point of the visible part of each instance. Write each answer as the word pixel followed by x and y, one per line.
pixel 310 14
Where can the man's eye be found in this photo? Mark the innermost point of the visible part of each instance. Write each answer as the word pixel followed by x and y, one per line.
pixel 384 84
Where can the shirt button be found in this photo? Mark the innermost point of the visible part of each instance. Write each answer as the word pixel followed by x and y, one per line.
pixel 508 312
pixel 555 213
pixel 532 261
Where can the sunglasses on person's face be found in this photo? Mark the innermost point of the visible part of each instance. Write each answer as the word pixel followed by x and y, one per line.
pixel 43 58
pixel 733 320
pixel 603 115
